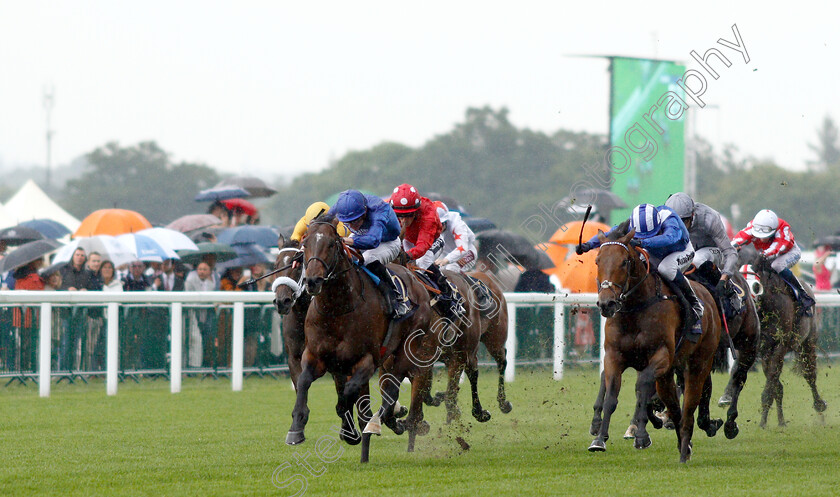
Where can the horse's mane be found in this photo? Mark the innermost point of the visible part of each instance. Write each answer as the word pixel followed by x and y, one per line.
pixel 327 217
pixel 620 231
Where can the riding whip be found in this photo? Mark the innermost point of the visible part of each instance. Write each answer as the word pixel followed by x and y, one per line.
pixel 585 217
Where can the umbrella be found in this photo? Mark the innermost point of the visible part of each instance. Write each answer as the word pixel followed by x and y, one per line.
pixel 604 199
pixel 222 193
pixel 479 224
pixel 501 241
pixel 169 239
pixel 27 253
pixel 832 241
pixel 450 202
pixel 193 222
pixel 221 251
pixel 18 235
pixel 48 228
pixel 243 206
pixel 112 222
pixel 246 255
pixel 261 235
pixel 108 246
pixel 146 249
pixel 255 186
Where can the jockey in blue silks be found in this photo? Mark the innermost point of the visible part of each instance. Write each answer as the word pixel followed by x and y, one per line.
pixel 661 232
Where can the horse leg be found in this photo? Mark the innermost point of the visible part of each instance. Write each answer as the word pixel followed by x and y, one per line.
pixel 344 409
pixel 667 390
pixel 478 412
pixel 645 386
pixel 694 383
pixel 414 422
pixel 499 355
pixel 612 385
pixel 745 360
pixel 312 369
pixel 455 368
pixel 772 366
pixel 595 427
pixel 704 421
pixel 428 399
pixel 808 359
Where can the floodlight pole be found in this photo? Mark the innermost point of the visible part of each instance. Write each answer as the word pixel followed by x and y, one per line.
pixel 49 102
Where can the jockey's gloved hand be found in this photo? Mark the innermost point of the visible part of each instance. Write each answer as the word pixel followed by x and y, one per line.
pixel 721 287
pixel 635 242
pixel 583 247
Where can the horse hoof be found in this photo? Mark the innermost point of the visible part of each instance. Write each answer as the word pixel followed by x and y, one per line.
pixel 355 439
pixel 399 427
pixel 505 407
pixel 783 424
pixel 669 425
pixel 423 428
pixel 820 405
pixel 437 399
pixel 762 424
pixel 598 446
pixel 481 416
pixel 642 442
pixel 630 433
pixel 295 437
pixel 730 430
pixel 714 426
pixel 725 400
pixel 453 416
pixel 401 413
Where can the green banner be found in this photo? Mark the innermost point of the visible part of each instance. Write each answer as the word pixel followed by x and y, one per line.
pixel 647 124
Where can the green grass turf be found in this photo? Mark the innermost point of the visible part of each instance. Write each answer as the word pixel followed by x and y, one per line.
pixel 209 441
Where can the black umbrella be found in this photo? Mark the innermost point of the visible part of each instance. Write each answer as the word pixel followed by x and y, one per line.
pixel 221 251
pixel 604 199
pixel 255 186
pixel 246 255
pixel 18 235
pixel 479 224
pixel 832 241
pixel 501 243
pixel 27 253
pixel 450 202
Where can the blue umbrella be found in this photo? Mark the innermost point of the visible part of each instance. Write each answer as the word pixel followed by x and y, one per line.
pixel 246 255
pixel 240 235
pixel 222 193
pixel 48 228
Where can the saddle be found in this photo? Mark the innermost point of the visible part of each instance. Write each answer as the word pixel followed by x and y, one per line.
pixel 436 294
pixel 397 285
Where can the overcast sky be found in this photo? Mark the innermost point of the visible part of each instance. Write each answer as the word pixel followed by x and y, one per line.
pixel 273 88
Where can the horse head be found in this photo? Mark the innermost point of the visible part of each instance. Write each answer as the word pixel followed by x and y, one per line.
pixel 615 263
pixel 288 286
pixel 322 251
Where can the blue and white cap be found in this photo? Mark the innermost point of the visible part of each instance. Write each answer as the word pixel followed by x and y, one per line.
pixel 645 220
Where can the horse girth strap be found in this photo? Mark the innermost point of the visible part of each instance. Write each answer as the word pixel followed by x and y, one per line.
pixel 649 302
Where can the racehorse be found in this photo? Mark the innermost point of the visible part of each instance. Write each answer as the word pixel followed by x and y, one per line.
pixel 347 330
pixel 478 325
pixel 292 302
pixel 643 331
pixel 783 329
pixel 745 331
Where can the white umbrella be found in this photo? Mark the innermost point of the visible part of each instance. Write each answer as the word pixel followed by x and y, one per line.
pixel 145 248
pixel 168 238
pixel 108 246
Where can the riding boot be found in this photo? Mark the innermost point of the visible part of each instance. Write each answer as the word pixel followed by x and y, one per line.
pixel 485 299
pixel 806 303
pixel 395 308
pixel 709 272
pixel 696 312
pixel 453 306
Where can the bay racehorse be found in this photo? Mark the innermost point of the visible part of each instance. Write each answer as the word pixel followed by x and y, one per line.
pixel 643 328
pixel 347 329
pixel 783 330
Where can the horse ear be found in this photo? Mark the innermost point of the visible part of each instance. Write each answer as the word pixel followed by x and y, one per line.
pixel 602 236
pixel 629 236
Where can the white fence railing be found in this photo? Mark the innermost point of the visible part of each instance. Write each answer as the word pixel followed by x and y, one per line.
pixel 176 301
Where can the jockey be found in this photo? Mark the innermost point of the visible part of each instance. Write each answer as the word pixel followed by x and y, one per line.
pixel 715 257
pixel 663 234
pixel 774 240
pixel 458 241
pixel 312 212
pixel 422 242
pixel 375 231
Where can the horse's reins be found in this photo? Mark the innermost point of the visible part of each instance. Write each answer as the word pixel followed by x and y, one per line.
pixel 270 273
pixel 296 286
pixel 331 268
pixel 625 292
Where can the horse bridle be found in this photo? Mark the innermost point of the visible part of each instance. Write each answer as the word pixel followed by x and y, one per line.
pixel 625 292
pixel 331 268
pixel 296 286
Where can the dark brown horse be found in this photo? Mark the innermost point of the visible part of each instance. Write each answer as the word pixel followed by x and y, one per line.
pixel 347 330
pixel 642 331
pixel 784 330
pixel 487 325
pixel 745 331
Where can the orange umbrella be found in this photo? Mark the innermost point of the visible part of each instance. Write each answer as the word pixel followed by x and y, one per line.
pixel 112 222
pixel 576 273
